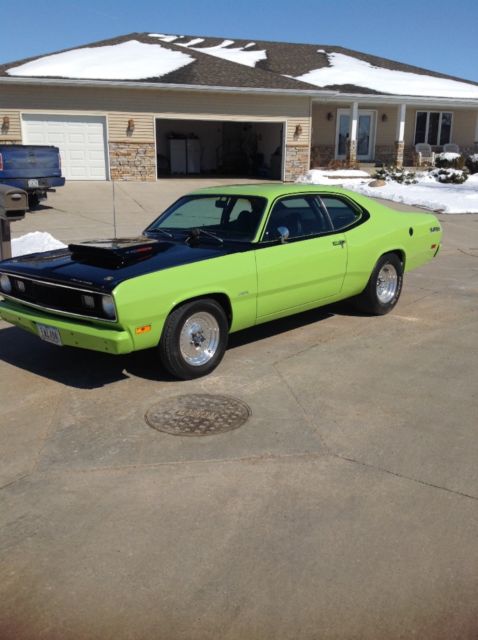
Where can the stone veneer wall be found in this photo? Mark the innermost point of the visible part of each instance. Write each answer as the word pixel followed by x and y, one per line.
pixel 133 161
pixel 385 153
pixel 409 159
pixel 322 155
pixel 297 159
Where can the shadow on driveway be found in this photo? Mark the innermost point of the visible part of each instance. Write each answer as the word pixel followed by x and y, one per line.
pixel 85 369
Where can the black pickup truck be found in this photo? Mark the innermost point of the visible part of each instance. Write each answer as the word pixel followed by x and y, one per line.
pixel 34 168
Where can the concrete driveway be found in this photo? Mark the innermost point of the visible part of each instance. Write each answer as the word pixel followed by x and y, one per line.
pixel 346 507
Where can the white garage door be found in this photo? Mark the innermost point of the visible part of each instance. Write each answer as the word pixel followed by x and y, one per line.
pixel 81 139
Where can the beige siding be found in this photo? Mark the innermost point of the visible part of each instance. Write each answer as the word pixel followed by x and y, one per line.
pixel 143 130
pixel 14 130
pixel 302 137
pixel 463 128
pixel 160 102
pixel 386 130
pixel 323 130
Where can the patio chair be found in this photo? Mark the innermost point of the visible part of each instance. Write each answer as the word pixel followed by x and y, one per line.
pixel 451 147
pixel 424 154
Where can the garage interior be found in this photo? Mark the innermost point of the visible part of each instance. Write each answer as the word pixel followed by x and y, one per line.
pixel 224 148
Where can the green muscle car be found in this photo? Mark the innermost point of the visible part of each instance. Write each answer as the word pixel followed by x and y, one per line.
pixel 216 261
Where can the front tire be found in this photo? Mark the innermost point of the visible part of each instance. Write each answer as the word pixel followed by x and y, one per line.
pixel 194 339
pixel 383 288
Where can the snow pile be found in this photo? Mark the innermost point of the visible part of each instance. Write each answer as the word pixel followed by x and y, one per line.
pixel 448 155
pixel 223 50
pixel 474 157
pixel 332 176
pixel 131 60
pixel 345 70
pixel 35 242
pixel 428 193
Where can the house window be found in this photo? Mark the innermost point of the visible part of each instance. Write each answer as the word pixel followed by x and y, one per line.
pixel 433 127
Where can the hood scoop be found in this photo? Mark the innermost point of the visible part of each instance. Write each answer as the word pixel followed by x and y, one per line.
pixel 118 252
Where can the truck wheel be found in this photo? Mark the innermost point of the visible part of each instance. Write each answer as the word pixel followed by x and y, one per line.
pixel 194 339
pixel 33 201
pixel 383 288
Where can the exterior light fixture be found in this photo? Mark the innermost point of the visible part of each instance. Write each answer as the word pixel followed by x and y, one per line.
pixel 330 116
pixel 5 123
pixel 384 117
pixel 130 128
pixel 298 131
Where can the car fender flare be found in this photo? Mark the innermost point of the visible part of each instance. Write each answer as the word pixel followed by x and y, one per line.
pixel 221 297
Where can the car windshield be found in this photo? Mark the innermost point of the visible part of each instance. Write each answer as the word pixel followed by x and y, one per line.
pixel 232 217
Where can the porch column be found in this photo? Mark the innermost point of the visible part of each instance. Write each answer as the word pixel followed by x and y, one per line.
pixel 352 146
pixel 400 135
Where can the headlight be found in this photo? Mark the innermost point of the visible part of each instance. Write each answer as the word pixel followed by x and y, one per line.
pixel 5 284
pixel 108 305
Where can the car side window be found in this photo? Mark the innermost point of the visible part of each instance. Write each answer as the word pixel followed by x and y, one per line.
pixel 301 216
pixel 341 213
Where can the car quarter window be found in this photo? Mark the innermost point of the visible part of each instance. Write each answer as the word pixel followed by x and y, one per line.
pixel 341 212
pixel 302 216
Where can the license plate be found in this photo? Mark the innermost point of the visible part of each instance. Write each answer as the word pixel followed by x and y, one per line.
pixel 50 334
pixel 33 182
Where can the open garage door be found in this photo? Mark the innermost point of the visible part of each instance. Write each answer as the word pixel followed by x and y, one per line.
pixel 219 148
pixel 81 140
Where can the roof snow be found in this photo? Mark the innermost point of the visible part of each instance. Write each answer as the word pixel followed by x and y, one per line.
pixel 131 60
pixel 347 70
pixel 223 50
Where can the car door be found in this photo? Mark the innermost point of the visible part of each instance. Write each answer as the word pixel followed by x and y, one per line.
pixel 308 267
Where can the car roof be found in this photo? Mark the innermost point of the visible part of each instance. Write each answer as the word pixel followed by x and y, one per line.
pixel 269 190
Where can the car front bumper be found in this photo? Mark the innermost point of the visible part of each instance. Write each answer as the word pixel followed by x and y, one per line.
pixel 72 333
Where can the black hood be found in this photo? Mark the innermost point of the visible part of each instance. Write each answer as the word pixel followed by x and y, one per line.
pixel 103 264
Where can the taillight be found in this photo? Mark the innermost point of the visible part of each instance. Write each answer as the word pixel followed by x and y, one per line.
pixel 1 162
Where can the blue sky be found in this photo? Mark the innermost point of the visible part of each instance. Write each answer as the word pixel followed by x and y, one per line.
pixel 434 34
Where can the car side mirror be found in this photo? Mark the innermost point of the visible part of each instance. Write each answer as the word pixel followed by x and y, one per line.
pixel 283 234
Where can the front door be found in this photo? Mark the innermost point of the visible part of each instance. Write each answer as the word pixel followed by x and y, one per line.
pixel 309 267
pixel 365 134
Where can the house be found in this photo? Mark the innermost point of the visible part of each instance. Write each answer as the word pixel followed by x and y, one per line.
pixel 146 105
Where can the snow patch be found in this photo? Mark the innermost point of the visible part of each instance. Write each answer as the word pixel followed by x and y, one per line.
pixel 131 60
pixel 163 37
pixel 234 54
pixel 448 155
pixel 192 42
pixel 331 176
pixel 345 69
pixel 35 242
pixel 428 193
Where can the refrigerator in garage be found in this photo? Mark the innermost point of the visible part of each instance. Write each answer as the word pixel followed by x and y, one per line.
pixel 185 155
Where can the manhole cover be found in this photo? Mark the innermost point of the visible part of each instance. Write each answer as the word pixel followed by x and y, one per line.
pixel 198 415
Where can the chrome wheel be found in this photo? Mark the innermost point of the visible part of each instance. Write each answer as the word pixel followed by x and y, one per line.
pixel 387 283
pixel 199 338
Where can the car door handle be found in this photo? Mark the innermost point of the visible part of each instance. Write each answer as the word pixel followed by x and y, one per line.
pixel 338 243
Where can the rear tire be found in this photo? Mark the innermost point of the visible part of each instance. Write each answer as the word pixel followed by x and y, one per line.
pixel 383 288
pixel 33 201
pixel 194 339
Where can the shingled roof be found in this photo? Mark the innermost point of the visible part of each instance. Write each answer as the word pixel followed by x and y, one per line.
pixel 216 62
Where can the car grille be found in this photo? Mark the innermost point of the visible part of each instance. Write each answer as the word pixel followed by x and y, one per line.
pixel 53 297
